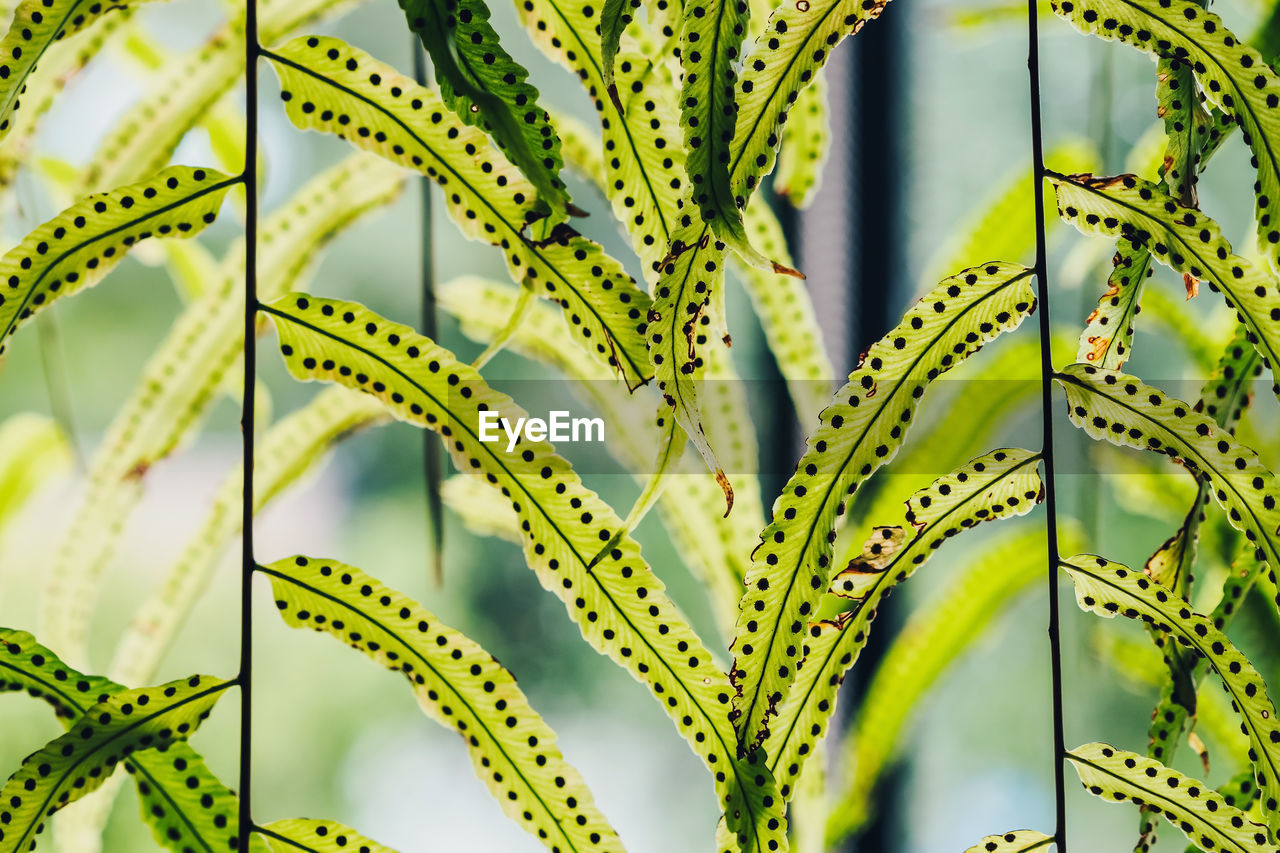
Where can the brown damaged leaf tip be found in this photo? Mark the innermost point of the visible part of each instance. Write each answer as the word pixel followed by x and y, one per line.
pixel 573 210
pixel 725 487
pixel 613 96
pixel 1192 284
pixel 783 269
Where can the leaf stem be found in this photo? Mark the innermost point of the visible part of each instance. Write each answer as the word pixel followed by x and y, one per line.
pixel 1046 417
pixel 247 415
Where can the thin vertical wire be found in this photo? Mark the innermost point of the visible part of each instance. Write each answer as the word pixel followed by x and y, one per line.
pixel 248 564
pixel 1046 414
pixel 430 447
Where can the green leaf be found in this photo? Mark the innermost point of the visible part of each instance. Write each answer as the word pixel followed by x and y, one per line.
pixel 711 35
pixel 79 761
pixel 935 635
pixel 998 485
pixel 292 448
pixel 79 246
pixel 1201 813
pixel 1120 409
pixel 1107 588
pixel 35 451
pixel 183 802
pixel 787 317
pixel 326 81
pixel 459 685
pixel 783 61
pixel 484 87
pixel 36 26
pixel 861 430
pixel 619 605
pixel 317 836
pixel 805 141
pixel 1188 127
pixel 614 19
pixel 1233 77
pixel 1018 841
pixel 1181 238
pixel 180 382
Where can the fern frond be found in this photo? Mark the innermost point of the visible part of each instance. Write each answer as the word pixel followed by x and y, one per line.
pixel 329 86
pixel 459 685
pixel 79 246
pixel 35 451
pixel 1018 841
pixel 619 604
pixel 316 836
pixel 860 431
pixel 805 141
pixel 1198 811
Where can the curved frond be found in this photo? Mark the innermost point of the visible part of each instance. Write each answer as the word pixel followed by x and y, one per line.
pixel 1189 128
pixel 316 836
pixel 36 26
pixel 184 803
pixel 1232 75
pixel 181 380
pixel 1018 841
pixel 1183 239
pixel 484 87
pixel 860 431
pixel 782 62
pixel 1108 588
pixel 1197 810
pixel 35 451
pixel 79 246
pixel 79 761
pixel 1114 407
pixel 805 141
pixel 935 635
pixel 619 604
pixel 329 86
pixel 459 685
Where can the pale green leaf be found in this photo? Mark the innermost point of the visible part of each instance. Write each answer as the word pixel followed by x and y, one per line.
pixel 1200 812
pixel 619 605
pixel 805 140
pixel 317 836
pixel 109 732
pixel 1018 841
pixel 328 85
pixel 860 431
pixel 459 685
pixel 1108 588
pixel 1233 77
pixel 35 451
pixel 79 246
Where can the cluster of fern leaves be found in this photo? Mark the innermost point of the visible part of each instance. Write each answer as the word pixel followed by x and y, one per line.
pixel 698 106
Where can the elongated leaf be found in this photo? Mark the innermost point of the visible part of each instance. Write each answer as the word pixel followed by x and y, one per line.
pixel 326 82
pixel 619 605
pixel 35 450
pixel 1114 407
pixel 1233 76
pixel 788 318
pixel 1108 588
pixel 1197 810
pixel 36 25
pixel 1018 841
pixel 783 61
pixel 180 382
pixel 860 431
pixel 711 33
pixel 1183 239
pixel 317 836
pixel 185 804
pixel 936 634
pixel 1187 128
pixel 80 761
pixel 1001 484
pixel 291 449
pixel 485 88
pixel 805 140
pixel 78 247
pixel 458 684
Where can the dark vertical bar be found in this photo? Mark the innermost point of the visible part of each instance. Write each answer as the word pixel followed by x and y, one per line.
pixel 427 283
pixel 1046 415
pixel 877 171
pixel 247 562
